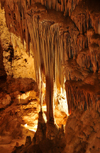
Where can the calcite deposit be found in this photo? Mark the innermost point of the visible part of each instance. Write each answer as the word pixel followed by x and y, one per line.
pixel 59 44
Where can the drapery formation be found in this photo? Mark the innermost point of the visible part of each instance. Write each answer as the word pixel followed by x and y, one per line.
pixel 48 51
pixel 65 38
pixel 47 31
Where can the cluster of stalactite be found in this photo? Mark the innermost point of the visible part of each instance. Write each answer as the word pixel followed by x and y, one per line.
pixel 49 32
pixel 48 54
pixel 66 6
pixel 59 31
pixel 82 96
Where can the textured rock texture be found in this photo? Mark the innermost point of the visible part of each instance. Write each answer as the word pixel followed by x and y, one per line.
pixel 15 60
pixel 2 69
pixel 83 132
pixel 17 88
pixel 40 143
pixel 5 100
pixel 65 37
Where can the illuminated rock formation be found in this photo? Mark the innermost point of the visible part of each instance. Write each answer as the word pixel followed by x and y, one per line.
pixel 65 38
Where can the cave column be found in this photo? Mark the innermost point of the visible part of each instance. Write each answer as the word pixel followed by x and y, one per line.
pixel 49 99
pixel 51 128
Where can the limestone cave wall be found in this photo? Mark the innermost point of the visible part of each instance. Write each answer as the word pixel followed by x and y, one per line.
pixel 67 34
pixel 73 37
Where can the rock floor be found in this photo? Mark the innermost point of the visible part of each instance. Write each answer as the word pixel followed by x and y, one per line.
pixel 19 119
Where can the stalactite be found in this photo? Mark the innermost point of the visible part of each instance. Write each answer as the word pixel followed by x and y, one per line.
pixel 42 2
pixel 52 61
pixel 52 39
pixel 55 40
pixel 65 48
pixel 40 90
pixel 27 40
pixel 50 4
pixel 81 96
pixel 54 4
pixel 62 5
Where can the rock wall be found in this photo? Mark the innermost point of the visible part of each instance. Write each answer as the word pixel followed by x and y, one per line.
pixel 17 88
pixel 21 64
pixel 16 62
pixel 80 36
pixel 67 34
pixel 82 132
pixel 2 70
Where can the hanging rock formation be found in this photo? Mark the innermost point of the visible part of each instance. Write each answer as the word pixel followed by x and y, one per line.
pixel 65 38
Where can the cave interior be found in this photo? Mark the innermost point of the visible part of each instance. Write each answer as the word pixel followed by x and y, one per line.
pixel 49 76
